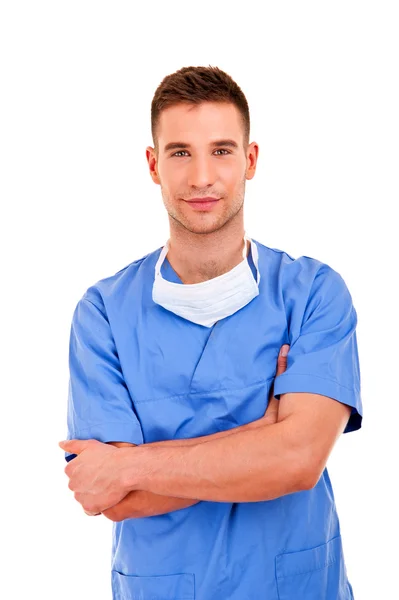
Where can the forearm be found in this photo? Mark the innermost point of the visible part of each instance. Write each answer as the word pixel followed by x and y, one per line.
pixel 142 503
pixel 212 436
pixel 259 463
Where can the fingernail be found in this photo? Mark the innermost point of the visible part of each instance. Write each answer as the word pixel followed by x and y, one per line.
pixel 284 351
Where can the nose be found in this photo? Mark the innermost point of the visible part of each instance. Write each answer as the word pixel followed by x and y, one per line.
pixel 201 173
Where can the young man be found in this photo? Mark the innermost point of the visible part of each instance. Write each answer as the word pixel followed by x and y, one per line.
pixel 227 494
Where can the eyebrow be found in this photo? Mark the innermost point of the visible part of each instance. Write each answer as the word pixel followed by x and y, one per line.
pixel 175 145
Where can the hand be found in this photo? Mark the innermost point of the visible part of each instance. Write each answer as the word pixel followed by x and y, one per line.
pixel 96 474
pixel 271 413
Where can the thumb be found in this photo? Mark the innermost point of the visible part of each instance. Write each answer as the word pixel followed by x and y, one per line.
pixel 74 446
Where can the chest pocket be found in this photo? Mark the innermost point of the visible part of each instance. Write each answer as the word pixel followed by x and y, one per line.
pixel 157 587
pixel 313 574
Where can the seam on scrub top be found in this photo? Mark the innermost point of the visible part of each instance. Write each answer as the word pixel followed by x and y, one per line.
pixel 295 573
pixel 97 307
pixel 332 560
pixel 278 251
pixel 263 381
pixel 106 423
pixel 354 389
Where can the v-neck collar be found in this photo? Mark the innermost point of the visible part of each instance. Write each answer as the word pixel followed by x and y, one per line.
pixel 170 274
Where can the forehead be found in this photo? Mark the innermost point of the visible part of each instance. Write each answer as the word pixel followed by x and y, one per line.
pixel 200 122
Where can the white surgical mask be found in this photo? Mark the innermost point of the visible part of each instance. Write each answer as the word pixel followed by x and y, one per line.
pixel 209 301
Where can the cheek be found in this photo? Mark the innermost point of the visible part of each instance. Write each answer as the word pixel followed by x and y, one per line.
pixel 232 181
pixel 173 180
pixel 231 172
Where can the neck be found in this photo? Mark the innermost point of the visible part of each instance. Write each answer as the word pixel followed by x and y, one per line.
pixel 198 257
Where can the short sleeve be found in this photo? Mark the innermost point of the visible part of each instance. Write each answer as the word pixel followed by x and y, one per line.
pixel 324 359
pixel 99 403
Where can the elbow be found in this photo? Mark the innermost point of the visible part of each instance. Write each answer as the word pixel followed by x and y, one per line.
pixel 308 477
pixel 306 480
pixel 307 466
pixel 118 519
pixel 113 515
pixel 118 515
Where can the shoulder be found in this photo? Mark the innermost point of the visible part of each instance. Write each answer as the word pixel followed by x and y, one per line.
pixel 301 281
pixel 115 287
pixel 301 275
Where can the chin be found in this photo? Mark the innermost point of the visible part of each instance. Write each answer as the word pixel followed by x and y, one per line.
pixel 202 223
pixel 203 228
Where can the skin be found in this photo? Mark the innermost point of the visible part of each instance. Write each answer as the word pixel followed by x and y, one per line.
pixel 141 503
pixel 258 461
pixel 255 464
pixel 203 244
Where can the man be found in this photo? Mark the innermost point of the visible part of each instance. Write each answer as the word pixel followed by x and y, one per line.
pixel 176 354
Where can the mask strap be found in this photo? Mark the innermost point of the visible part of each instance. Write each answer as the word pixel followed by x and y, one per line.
pixel 161 258
pixel 244 252
pixel 253 249
pixel 255 256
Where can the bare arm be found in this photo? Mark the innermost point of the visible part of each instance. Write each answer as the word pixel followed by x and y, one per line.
pixel 142 503
pixel 262 463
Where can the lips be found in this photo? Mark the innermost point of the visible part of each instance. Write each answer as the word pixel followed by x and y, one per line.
pixel 203 204
pixel 206 199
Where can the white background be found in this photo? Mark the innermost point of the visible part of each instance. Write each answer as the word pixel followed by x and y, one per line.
pixel 78 204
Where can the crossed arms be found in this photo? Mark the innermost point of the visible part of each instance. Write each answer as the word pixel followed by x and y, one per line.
pixel 140 503
pixel 289 446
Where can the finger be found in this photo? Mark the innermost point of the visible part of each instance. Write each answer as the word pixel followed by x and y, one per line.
pixel 282 360
pixel 281 368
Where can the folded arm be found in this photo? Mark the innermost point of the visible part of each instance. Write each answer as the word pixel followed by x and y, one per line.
pixel 257 464
pixel 143 503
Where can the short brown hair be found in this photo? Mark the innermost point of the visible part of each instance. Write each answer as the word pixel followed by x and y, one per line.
pixel 196 85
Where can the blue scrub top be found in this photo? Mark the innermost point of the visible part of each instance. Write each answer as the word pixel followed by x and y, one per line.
pixel 139 374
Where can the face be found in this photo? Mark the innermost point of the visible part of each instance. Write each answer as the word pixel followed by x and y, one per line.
pixel 202 154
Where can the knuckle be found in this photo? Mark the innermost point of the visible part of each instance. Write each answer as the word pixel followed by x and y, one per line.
pixel 78 498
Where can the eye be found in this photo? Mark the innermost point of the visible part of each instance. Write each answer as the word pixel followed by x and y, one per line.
pixel 217 150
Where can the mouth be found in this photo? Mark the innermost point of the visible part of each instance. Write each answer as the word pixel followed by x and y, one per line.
pixel 206 203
